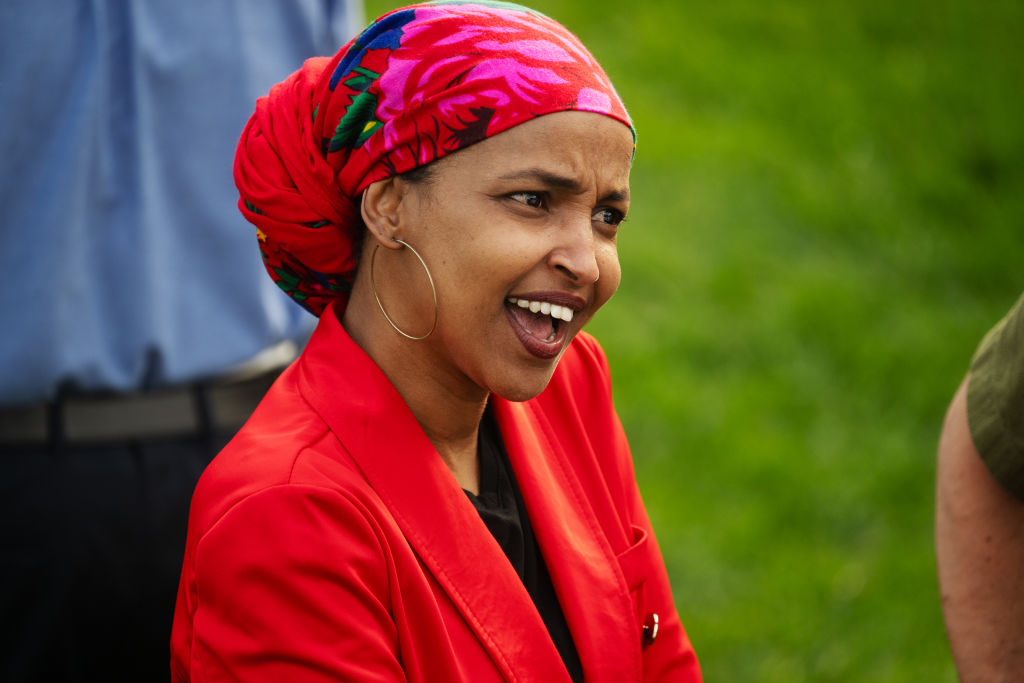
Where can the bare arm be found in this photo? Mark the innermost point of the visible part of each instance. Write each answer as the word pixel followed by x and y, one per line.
pixel 979 533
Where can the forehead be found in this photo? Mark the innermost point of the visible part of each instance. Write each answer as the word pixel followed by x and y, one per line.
pixel 581 145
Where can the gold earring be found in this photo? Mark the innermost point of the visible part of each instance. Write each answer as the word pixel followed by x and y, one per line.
pixel 433 290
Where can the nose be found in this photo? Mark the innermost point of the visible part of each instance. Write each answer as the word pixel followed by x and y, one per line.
pixel 575 256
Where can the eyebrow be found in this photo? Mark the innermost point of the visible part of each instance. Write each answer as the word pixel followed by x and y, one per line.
pixel 562 182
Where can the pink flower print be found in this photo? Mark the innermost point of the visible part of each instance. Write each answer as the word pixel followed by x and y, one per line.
pixel 541 50
pixel 519 78
pixel 593 100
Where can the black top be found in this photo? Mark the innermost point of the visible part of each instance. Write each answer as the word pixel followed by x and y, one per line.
pixel 501 507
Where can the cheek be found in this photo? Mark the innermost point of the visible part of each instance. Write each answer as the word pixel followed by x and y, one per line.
pixel 500 254
pixel 610 273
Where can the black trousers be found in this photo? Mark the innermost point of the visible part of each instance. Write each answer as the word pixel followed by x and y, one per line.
pixel 92 539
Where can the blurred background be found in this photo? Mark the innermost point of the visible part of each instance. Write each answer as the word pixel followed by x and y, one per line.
pixel 828 214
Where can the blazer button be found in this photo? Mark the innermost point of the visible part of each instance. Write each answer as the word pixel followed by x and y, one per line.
pixel 650 630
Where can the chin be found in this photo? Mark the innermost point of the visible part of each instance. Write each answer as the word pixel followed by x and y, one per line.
pixel 523 388
pixel 518 396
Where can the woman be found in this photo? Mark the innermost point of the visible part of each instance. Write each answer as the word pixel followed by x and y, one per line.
pixel 439 488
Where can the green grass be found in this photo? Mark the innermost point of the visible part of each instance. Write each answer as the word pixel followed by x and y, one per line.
pixel 828 214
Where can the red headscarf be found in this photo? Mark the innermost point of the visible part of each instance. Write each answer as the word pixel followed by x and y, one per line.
pixel 419 83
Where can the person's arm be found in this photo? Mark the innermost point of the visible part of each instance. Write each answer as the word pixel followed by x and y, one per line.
pixel 979 534
pixel 292 584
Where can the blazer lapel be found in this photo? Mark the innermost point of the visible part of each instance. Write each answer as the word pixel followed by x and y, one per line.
pixel 369 417
pixel 588 581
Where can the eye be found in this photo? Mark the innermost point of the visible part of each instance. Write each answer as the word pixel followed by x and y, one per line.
pixel 609 216
pixel 532 199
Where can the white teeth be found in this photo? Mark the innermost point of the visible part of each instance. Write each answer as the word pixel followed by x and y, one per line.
pixel 545 308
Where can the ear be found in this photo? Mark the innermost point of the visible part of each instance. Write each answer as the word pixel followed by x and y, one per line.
pixel 380 206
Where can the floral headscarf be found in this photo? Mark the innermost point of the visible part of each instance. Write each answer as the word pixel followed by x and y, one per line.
pixel 421 82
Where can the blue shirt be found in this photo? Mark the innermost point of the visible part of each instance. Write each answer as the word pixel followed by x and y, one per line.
pixel 125 262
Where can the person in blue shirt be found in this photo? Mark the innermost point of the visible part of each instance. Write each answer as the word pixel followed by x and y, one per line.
pixel 139 326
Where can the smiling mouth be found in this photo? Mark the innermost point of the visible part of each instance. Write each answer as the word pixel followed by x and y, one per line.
pixel 540 325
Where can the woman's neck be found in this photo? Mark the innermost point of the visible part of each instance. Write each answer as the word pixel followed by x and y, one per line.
pixel 449 415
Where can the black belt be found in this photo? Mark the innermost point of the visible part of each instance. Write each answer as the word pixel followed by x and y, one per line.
pixel 192 410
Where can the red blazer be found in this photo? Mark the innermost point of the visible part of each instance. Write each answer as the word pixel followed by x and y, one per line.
pixel 329 542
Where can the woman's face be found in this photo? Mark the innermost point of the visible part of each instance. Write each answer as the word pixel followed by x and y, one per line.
pixel 528 218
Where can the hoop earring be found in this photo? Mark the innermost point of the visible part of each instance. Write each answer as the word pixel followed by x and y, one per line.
pixel 433 290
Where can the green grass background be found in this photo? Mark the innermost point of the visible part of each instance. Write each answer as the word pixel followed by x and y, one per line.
pixel 828 209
